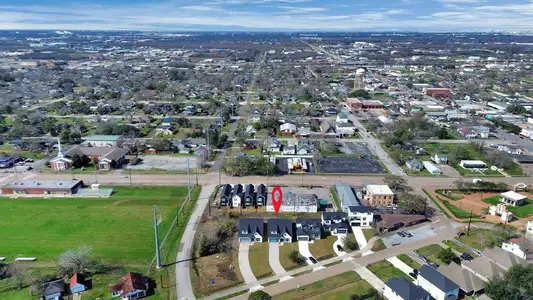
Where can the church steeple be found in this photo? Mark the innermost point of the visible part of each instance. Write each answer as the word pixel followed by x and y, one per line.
pixel 59 151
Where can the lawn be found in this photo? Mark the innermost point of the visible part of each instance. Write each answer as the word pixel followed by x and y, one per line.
pixel 431 252
pixel 521 211
pixel 409 261
pixel 457 248
pixel 252 152
pixel 384 270
pixel 335 198
pixel 494 200
pixel 474 239
pixel 258 257
pixel 323 248
pixel 450 195
pixel 378 246
pixel 458 212
pixel 341 286
pixel 284 252
pixel 119 228
pixel 368 233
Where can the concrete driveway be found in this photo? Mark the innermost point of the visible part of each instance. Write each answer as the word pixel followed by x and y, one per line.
pixel 303 247
pixel 360 238
pixel 374 281
pixel 395 261
pixel 244 263
pixel 273 260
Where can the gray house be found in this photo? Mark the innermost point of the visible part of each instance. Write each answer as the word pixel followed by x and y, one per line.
pixel 335 222
pixel 308 229
pixel 261 196
pixel 440 158
pixel 414 164
pixel 54 289
pixel 225 195
pixel 279 230
pixel 249 195
pixel 401 288
pixel 251 230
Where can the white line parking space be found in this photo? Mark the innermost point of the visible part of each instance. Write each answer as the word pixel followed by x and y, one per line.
pixel 395 261
pixel 303 247
pixel 371 278
pixel 361 240
pixel 244 263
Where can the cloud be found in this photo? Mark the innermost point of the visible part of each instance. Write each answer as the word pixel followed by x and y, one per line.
pixel 299 10
pixel 462 1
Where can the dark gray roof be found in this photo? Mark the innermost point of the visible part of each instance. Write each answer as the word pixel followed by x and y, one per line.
pixel 261 191
pixel 226 191
pixel 54 286
pixel 277 227
pixel 308 226
pixel 437 279
pixel 237 190
pixel 361 209
pixel 334 215
pixel 249 191
pixel 405 289
pixel 251 226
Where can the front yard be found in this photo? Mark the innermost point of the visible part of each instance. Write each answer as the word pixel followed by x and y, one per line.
pixel 409 261
pixel 323 248
pixel 431 252
pixel 258 257
pixel 384 270
pixel 284 259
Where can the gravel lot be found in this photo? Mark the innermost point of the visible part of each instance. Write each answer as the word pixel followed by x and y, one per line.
pixel 169 163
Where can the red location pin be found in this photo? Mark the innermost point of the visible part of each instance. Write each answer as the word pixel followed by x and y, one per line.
pixel 276 200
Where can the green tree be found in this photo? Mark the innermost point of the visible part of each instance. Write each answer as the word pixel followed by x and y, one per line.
pixel 259 295
pixel 349 242
pixel 396 182
pixel 447 256
pixel 76 161
pixel 515 285
pixel 412 203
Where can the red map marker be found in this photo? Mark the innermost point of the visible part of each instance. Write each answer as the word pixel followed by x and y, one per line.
pixel 276 200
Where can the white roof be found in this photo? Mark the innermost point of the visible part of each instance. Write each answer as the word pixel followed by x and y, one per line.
pixel 379 189
pixel 287 126
pixel 473 162
pixel 513 196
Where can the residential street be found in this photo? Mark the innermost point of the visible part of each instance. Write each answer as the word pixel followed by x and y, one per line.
pixel 183 278
pixel 318 275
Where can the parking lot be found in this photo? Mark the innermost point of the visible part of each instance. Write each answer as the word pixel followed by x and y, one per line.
pixel 168 163
pixel 418 233
pixel 357 148
pixel 350 165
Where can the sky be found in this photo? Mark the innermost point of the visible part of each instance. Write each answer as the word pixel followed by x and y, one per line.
pixel 268 15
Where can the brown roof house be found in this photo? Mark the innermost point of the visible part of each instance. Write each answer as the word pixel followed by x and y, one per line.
pixel 395 221
pixel 130 287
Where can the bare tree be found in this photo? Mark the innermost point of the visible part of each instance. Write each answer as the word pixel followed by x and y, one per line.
pixel 76 261
pixel 20 273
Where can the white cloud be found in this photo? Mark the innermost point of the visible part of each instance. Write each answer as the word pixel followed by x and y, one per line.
pixel 299 10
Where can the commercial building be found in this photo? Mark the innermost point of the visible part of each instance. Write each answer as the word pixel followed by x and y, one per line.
pixel 42 187
pixel 473 164
pixel 104 140
pixel 437 92
pixel 292 202
pixel 108 157
pixel 379 195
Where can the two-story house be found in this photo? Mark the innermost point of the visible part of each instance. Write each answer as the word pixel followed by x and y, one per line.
pixel 261 195
pixel 335 222
pixel 399 288
pixel 279 230
pixel 436 284
pixel 521 247
pixel 236 197
pixel 249 195
pixel 225 195
pixel 308 229
pixel 360 216
pixel 251 230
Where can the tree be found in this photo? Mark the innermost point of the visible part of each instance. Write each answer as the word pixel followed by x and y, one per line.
pixel 85 160
pixel 359 94
pixel 497 235
pixel 259 295
pixel 294 256
pixel 349 242
pixel 458 153
pixel 396 182
pixel 76 261
pixel 515 285
pixel 20 274
pixel 447 256
pixel 77 161
pixel 412 203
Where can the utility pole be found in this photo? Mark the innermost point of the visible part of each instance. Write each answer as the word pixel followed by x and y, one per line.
pixel 469 221
pixel 131 183
pixel 157 254
pixel 188 181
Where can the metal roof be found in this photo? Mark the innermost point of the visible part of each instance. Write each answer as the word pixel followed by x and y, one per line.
pixel 43 184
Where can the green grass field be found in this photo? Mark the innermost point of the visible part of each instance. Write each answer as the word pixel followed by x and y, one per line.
pixel 474 239
pixel 119 228
pixel 384 270
pixel 341 286
pixel 409 261
pixel 323 249
pixel 521 211
pixel 456 247
pixel 258 256
pixel 431 252
pixel 378 246
pixel 458 212
pixel 284 259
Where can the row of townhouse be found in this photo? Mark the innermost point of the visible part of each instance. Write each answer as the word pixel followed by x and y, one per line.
pixel 284 230
pixel 238 195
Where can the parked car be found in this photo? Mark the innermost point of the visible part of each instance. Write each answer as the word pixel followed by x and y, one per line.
pixel 477 252
pixel 313 260
pixel 400 234
pixel 433 265
pixel 413 274
pixel 339 247
pixel 407 234
pixel 423 257
pixel 415 271
pixel 466 256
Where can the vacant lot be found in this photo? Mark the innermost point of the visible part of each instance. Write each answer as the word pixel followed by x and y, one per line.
pixel 216 272
pixel 431 252
pixel 167 163
pixel 342 286
pixel 119 228
pixel 474 239
pixel 409 261
pixel 384 270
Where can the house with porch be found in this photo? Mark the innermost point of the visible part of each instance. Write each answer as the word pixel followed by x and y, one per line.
pixel 512 198
pixel 251 230
pixel 360 216
pixel 132 286
pixel 335 222
pixel 236 197
pixel 308 229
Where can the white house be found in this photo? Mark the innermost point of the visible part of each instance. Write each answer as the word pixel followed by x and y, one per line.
pixel 399 288
pixel 431 168
pixel 436 284
pixel 343 129
pixel 521 247
pixel 512 198
pixel 440 158
pixel 342 118
pixel 236 197
pixel 473 164
pixel 360 216
pixel 287 128
pixel 335 222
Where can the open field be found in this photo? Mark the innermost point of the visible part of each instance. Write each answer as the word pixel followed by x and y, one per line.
pixel 384 270
pixel 431 252
pixel 474 239
pixel 258 256
pixel 119 228
pixel 378 246
pixel 223 267
pixel 323 248
pixel 342 286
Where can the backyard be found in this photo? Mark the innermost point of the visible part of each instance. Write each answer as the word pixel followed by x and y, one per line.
pixel 342 286
pixel 384 270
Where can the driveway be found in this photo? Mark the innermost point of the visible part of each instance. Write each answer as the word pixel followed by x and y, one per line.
pixel 303 247
pixel 449 171
pixel 360 238
pixel 374 281
pixel 395 261
pixel 273 259
pixel 244 263
pixel 338 242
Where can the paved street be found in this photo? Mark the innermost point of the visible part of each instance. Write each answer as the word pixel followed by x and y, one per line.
pixel 306 279
pixel 244 263
pixel 183 278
